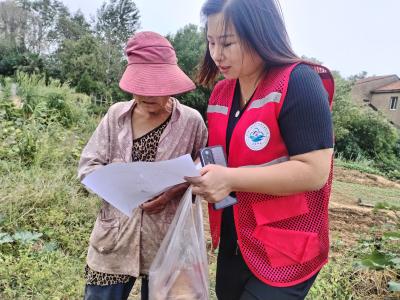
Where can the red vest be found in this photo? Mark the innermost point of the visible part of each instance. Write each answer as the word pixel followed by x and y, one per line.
pixel 284 240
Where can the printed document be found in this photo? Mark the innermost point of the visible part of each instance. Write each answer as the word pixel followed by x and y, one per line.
pixel 127 185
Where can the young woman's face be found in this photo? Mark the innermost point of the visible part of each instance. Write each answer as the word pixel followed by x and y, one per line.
pixel 233 59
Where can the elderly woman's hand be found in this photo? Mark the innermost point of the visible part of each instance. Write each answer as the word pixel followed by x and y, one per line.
pixel 213 184
pixel 158 204
pixel 155 205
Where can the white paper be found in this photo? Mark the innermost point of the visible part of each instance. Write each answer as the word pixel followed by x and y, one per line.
pixel 127 185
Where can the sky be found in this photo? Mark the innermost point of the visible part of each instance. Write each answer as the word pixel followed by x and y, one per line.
pixel 349 36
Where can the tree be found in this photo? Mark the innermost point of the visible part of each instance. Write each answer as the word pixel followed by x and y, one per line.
pixel 70 27
pixel 189 44
pixel 10 57
pixel 83 64
pixel 358 76
pixel 47 23
pixel 13 24
pixel 82 57
pixel 117 21
pixel 360 132
pixel 46 14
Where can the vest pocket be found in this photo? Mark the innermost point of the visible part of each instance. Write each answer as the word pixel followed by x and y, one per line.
pixel 288 247
pixel 284 247
pixel 280 208
pixel 104 236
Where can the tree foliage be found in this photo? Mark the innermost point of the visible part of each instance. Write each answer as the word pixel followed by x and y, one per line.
pixel 71 27
pixel 12 23
pixel 42 36
pixel 14 58
pixel 117 20
pixel 363 133
pixel 189 44
pixel 80 57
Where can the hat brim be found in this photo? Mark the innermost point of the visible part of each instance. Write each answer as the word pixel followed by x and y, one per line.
pixel 155 80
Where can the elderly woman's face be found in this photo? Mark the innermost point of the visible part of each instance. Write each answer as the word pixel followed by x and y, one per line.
pixel 153 104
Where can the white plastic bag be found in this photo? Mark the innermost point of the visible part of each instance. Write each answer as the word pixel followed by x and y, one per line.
pixel 180 269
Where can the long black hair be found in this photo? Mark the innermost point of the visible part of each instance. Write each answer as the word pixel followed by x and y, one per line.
pixel 260 27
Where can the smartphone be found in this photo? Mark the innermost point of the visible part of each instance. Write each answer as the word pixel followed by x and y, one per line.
pixel 215 155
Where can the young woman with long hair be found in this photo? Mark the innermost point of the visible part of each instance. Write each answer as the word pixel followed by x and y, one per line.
pixel 272 116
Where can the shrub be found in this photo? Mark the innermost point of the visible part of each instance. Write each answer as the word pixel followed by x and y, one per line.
pixel 37 133
pixel 51 102
pixel 361 133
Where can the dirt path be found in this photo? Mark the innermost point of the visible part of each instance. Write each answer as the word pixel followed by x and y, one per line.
pixel 350 222
pixel 348 219
pixel 354 176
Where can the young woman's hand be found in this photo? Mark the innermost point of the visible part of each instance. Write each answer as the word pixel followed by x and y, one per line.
pixel 213 184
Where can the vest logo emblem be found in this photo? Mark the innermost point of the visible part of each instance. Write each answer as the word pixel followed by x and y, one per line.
pixel 257 136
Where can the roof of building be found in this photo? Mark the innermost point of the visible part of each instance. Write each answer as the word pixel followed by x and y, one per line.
pixel 392 87
pixel 372 78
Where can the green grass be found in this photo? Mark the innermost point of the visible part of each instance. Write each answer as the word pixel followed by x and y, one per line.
pixel 40 274
pixel 369 194
pixel 360 164
pixel 388 168
pixel 51 202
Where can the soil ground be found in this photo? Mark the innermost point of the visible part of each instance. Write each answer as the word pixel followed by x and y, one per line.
pixel 352 216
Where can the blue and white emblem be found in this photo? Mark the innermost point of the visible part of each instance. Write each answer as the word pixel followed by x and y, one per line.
pixel 257 136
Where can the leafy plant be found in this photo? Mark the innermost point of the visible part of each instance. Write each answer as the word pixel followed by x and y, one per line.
pixel 26 236
pixel 394 286
pixel 385 254
pixel 5 238
pixel 363 134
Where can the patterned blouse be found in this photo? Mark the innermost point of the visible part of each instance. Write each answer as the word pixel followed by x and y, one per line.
pixel 144 149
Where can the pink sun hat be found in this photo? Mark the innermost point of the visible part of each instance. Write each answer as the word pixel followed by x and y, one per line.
pixel 152 68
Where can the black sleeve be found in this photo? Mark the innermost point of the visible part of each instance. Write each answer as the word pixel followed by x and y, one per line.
pixel 305 119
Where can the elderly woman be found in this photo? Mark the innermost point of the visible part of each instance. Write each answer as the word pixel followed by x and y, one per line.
pixel 153 126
